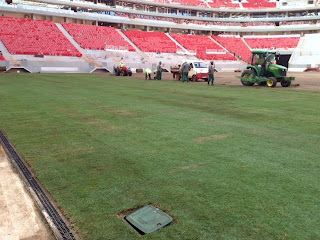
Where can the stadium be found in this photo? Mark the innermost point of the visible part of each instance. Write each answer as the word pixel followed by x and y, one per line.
pixel 91 149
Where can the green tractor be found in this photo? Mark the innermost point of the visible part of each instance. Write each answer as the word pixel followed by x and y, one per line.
pixel 263 71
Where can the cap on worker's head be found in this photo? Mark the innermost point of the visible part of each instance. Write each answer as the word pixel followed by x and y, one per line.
pixel 160 62
pixel 211 62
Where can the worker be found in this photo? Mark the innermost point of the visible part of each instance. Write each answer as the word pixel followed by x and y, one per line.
pixel 184 69
pixel 277 58
pixel 147 73
pixel 255 60
pixel 211 72
pixel 159 71
pixel 267 61
pixel 121 64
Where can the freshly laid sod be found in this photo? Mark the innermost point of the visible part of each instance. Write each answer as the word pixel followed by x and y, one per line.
pixel 225 162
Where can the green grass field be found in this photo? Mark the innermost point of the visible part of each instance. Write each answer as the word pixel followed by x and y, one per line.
pixel 226 162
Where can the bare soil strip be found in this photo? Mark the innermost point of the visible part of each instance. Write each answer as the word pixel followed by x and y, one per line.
pixel 19 217
pixel 304 80
pixel 189 167
pixel 214 137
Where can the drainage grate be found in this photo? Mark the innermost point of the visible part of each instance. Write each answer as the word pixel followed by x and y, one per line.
pixel 60 229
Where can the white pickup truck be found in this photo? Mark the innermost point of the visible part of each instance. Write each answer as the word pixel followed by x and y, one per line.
pixel 198 70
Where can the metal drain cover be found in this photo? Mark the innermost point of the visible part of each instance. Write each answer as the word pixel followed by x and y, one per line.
pixel 148 219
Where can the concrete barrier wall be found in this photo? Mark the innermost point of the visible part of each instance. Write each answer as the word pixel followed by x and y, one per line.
pixel 57 67
pixel 85 67
pixel 4 63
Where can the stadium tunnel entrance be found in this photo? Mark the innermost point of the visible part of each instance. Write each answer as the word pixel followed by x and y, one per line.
pixel 284 60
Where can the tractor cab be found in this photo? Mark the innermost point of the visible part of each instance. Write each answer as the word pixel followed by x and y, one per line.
pixel 263 70
pixel 262 59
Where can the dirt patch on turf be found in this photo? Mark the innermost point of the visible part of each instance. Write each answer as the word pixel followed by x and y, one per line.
pixel 101 125
pixel 82 150
pixel 206 120
pixel 122 112
pixel 76 115
pixel 100 169
pixel 166 110
pixel 89 120
pixel 214 137
pixel 260 131
pixel 190 167
pixel 115 110
pixel 243 168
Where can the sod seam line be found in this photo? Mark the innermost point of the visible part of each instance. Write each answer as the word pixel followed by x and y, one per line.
pixel 50 213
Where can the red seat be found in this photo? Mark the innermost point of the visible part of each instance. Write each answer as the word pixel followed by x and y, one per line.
pixel 203 46
pixel 197 3
pixel 223 4
pixel 152 41
pixel 273 42
pixel 259 4
pixel 30 37
pixel 235 45
pixel 97 37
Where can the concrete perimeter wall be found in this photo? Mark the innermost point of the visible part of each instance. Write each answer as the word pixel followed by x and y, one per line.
pixel 57 67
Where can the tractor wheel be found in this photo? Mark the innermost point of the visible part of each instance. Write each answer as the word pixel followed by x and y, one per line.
pixel 194 78
pixel 285 83
pixel 129 74
pixel 123 73
pixel 272 82
pixel 246 75
pixel 262 83
pixel 117 72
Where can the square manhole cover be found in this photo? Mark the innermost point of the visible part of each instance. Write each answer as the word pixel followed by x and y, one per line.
pixel 148 219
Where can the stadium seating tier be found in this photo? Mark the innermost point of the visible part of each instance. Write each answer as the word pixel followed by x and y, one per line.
pixel 97 37
pixel 152 41
pixel 197 3
pixel 223 4
pixel 204 47
pixel 162 1
pixel 273 42
pixel 258 4
pixel 235 45
pixel 30 37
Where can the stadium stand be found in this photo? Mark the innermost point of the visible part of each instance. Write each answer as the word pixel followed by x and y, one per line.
pixel 296 3
pixel 162 1
pixel 30 37
pixel 235 45
pixel 203 46
pixel 97 37
pixel 2 58
pixel 197 3
pixel 272 42
pixel 152 41
pixel 24 38
pixel 307 53
pixel 223 4
pixel 259 4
